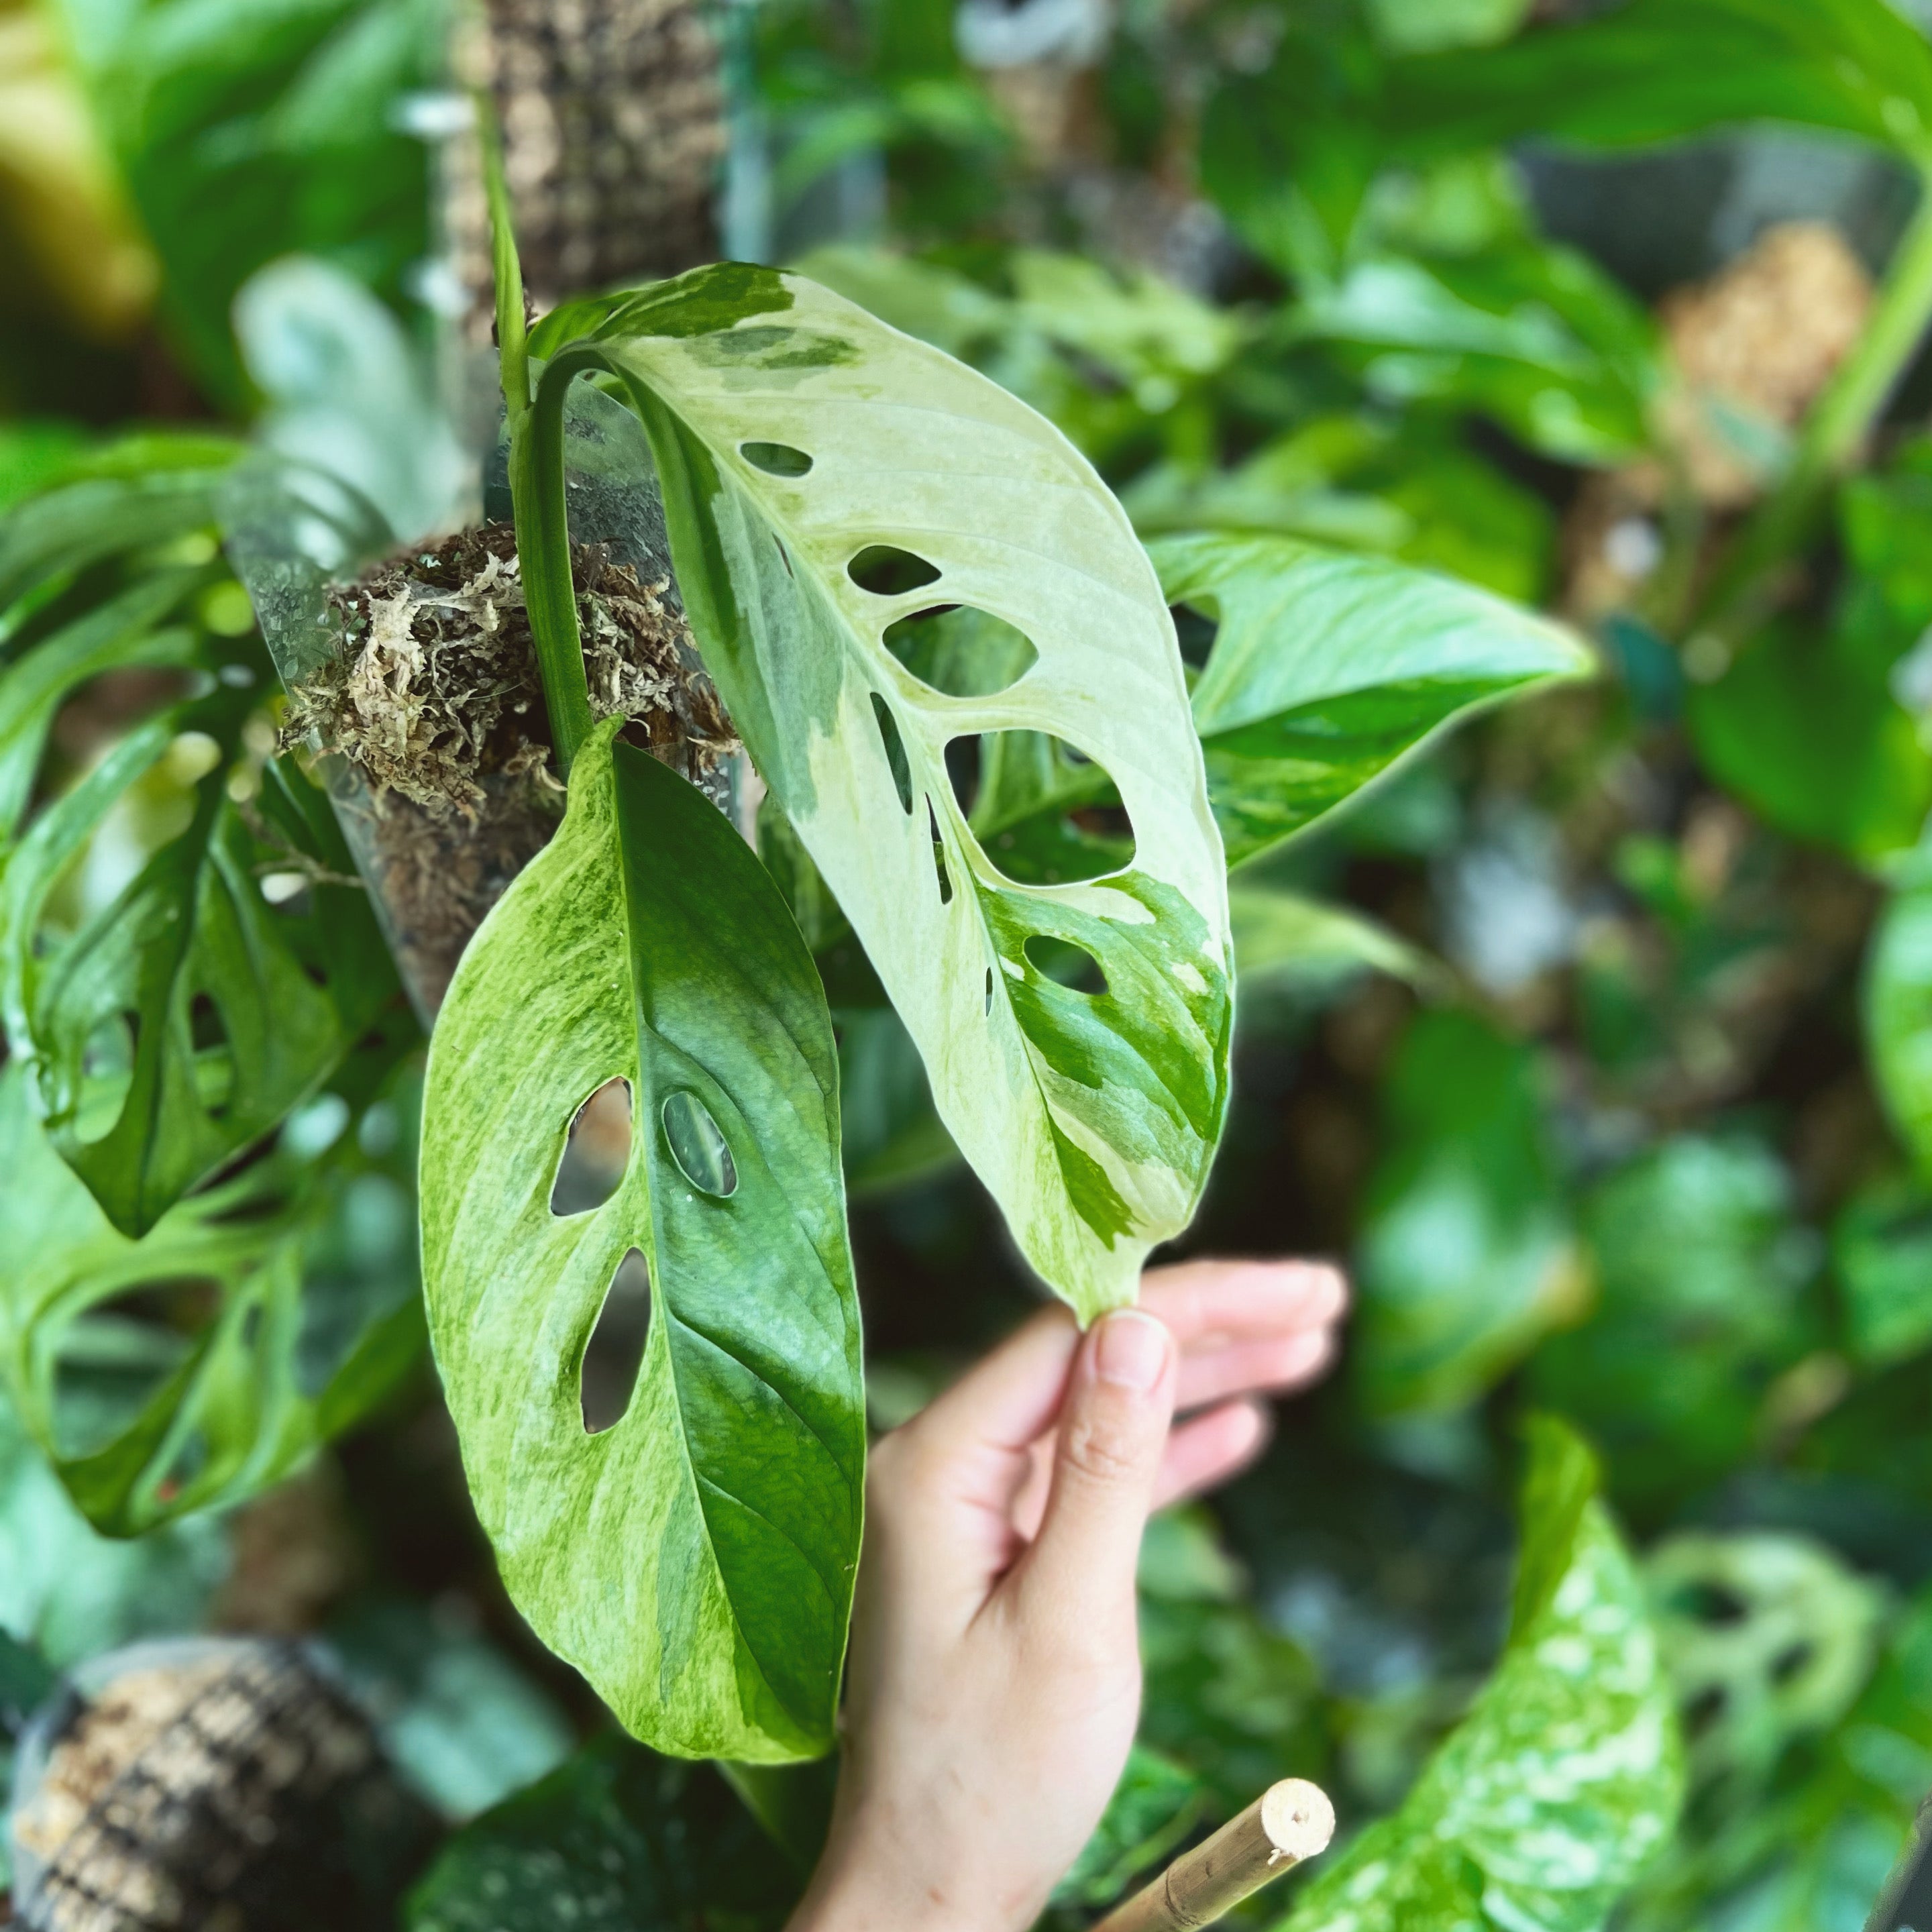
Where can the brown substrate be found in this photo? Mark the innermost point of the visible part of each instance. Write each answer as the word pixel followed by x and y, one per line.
pixel 434 707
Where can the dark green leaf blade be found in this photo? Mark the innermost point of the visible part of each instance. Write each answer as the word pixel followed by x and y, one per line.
pixel 695 1559
pixel 238 1009
pixel 617 1839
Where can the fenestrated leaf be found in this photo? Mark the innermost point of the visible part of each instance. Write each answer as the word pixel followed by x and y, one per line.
pixel 200 1364
pixel 1548 1799
pixel 694 1559
pixel 1091 1116
pixel 1327 668
pixel 171 1024
pixel 1898 1006
pixel 220 1010
pixel 1660 70
pixel 616 1840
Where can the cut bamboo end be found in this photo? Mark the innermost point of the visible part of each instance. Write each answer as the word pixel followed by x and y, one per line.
pixel 1290 1821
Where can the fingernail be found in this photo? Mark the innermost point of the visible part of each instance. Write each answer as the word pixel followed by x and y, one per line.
pixel 1132 1350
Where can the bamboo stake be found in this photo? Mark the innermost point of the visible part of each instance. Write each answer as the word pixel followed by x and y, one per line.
pixel 1290 1821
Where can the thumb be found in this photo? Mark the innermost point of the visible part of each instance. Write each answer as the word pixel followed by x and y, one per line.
pixel 1113 1430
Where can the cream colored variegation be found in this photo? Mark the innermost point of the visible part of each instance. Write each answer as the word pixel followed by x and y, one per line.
pixel 1091 1119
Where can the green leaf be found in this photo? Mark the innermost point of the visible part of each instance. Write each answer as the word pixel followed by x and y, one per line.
pixel 1327 668
pixel 195 1366
pixel 1427 26
pixel 1661 70
pixel 616 1840
pixel 172 1020
pixel 1898 1007
pixel 183 1020
pixel 246 130
pixel 1551 1795
pixel 1882 1255
pixel 695 1560
pixel 1283 936
pixel 1693 1250
pixel 1092 1116
pixel 1467 1255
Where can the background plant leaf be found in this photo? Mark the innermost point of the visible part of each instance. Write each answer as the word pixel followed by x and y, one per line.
pixel 202 1363
pixel 1326 668
pixel 1564 1778
pixel 616 1838
pixel 695 1560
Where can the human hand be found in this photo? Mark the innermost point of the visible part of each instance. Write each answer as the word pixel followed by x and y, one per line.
pixel 995 1680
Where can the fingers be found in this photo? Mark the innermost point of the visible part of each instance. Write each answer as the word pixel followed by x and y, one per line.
pixel 1254 1368
pixel 1207 1302
pixel 1206 1451
pixel 1079 1572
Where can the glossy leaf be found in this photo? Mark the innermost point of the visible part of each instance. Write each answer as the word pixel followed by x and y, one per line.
pixel 197 1365
pixel 1091 1116
pixel 695 1560
pixel 1564 1780
pixel 223 1011
pixel 171 1024
pixel 248 129
pixel 617 1839
pixel 1327 669
pixel 1661 70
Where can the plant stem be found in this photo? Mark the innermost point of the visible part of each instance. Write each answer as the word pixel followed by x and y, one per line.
pixel 538 504
pixel 543 551
pixel 1833 435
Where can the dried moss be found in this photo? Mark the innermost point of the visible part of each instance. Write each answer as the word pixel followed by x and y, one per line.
pixel 435 703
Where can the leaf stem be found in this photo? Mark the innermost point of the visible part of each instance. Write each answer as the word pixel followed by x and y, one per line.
pixel 1833 435
pixel 543 551
pixel 537 500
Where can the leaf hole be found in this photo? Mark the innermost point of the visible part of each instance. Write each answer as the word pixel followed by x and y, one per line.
pixel 607 1378
pixel 887 572
pixel 1066 964
pixel 785 556
pixel 107 1071
pixel 939 856
pixel 775 459
pixel 895 752
pixel 698 1146
pixel 960 651
pixel 591 1168
pixel 214 1058
pixel 1790 1662
pixel 989 992
pixel 1046 812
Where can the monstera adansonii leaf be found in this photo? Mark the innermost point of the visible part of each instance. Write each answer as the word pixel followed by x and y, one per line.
pixel 693 1558
pixel 826 480
pixel 1327 667
pixel 171 1023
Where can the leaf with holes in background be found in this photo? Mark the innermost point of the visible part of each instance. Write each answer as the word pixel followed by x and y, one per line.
pixel 693 1556
pixel 195 1366
pixel 173 1018
pixel 832 486
pixel 1327 669
pixel 1548 1799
